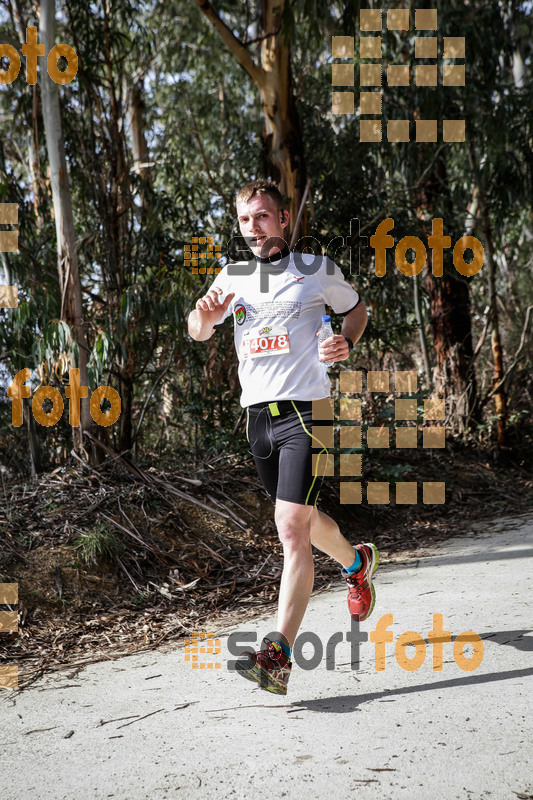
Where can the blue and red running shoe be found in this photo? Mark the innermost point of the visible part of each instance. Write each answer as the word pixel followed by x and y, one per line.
pixel 361 595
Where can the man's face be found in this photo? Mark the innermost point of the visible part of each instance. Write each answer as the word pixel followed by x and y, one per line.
pixel 259 220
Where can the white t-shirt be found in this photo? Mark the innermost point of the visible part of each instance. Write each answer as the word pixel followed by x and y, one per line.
pixel 275 330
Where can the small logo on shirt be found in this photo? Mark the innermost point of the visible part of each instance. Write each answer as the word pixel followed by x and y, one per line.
pixel 298 279
pixel 240 315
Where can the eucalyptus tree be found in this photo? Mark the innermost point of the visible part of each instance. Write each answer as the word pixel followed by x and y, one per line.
pixel 67 253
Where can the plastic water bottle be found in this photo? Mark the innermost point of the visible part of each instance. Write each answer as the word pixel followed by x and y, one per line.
pixel 326 331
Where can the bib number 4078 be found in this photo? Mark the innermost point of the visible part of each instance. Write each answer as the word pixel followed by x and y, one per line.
pixel 265 345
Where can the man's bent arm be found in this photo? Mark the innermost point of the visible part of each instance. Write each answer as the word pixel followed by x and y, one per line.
pixel 209 312
pixel 354 323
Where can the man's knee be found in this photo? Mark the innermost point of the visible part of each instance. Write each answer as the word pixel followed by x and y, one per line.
pixel 293 523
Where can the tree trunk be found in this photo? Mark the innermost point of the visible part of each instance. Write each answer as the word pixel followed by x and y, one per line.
pixel 500 399
pixel 32 139
pixel 120 202
pixel 69 279
pixel 138 139
pixel 421 330
pixel 449 309
pixel 282 133
pixel 6 264
pixel 273 80
pixel 452 339
pixel 33 443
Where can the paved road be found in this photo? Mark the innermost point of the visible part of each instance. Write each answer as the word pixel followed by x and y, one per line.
pixel 150 726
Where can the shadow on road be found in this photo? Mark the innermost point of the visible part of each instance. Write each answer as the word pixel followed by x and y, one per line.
pixel 517 639
pixel 348 703
pixel 438 561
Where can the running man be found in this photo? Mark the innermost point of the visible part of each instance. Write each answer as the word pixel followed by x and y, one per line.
pixel 279 300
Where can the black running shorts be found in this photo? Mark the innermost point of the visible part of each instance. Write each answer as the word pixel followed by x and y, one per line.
pixel 280 436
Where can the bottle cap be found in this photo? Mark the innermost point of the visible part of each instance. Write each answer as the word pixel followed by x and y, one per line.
pixel 326 318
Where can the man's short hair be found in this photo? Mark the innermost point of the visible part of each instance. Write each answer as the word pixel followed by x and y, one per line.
pixel 261 187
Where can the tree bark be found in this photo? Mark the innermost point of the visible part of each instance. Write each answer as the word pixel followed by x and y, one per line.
pixel 33 443
pixel 138 139
pixel 273 80
pixel 452 339
pixel 500 399
pixel 450 320
pixel 69 278
pixel 421 330
pixel 119 203
pixel 32 139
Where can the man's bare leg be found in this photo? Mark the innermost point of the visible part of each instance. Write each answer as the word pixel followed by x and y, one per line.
pixel 326 536
pixel 293 522
pixel 298 526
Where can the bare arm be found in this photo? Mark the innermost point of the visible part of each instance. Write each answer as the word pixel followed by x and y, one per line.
pixel 208 312
pixel 336 348
pixel 355 323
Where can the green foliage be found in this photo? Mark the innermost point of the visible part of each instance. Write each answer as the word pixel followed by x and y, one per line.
pixel 203 125
pixel 395 472
pixel 97 544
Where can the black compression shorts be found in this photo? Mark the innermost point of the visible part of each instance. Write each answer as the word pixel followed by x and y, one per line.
pixel 282 446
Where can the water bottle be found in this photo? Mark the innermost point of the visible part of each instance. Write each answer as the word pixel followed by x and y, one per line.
pixel 325 332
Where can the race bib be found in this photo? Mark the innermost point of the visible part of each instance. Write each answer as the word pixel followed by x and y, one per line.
pixel 265 341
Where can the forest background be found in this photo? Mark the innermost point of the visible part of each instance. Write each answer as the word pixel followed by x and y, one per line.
pixel 174 107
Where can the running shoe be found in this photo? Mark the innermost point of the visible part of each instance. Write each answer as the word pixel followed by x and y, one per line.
pixel 361 595
pixel 270 668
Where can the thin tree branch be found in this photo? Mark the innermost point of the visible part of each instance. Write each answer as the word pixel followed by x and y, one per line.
pixel 261 38
pixel 300 212
pixel 216 186
pixel 494 389
pixel 150 394
pixel 515 359
pixel 233 44
pixel 392 198
pixel 481 341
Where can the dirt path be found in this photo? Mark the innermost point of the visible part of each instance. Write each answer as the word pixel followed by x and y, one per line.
pixel 150 726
